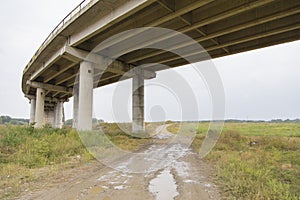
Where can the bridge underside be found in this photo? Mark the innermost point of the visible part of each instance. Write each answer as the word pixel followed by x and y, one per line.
pixel 221 27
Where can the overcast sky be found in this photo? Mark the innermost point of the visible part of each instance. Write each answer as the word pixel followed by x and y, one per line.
pixel 260 84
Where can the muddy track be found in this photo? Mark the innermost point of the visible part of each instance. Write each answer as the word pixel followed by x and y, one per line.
pixel 186 177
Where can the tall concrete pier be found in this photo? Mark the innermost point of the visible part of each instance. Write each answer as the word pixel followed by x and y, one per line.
pixel 138 124
pixel 85 97
pixel 39 111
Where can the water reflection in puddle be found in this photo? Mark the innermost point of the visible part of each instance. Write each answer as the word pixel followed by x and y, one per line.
pixel 164 186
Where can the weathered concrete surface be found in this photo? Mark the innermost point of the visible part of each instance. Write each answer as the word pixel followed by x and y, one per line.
pixel 58 114
pixel 138 124
pixel 85 98
pixel 32 110
pixel 39 112
pixel 75 106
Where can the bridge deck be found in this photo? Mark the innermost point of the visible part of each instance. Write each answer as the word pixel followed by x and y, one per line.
pixel 222 27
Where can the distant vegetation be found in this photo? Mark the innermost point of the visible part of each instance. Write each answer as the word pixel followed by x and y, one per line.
pixel 21 121
pixel 246 121
pixel 15 121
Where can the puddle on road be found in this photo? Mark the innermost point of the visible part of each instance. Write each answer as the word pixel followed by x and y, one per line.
pixel 164 186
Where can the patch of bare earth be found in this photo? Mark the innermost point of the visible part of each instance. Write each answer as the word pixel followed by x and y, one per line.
pixel 186 177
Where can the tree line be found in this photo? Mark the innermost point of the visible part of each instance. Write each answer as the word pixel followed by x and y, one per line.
pixel 15 121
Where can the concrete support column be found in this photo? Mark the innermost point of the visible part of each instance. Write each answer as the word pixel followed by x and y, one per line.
pixel 75 105
pixel 138 124
pixel 58 114
pixel 49 118
pixel 85 104
pixel 32 111
pixel 39 111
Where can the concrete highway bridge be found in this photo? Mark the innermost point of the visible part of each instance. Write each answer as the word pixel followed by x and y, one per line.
pixel 222 27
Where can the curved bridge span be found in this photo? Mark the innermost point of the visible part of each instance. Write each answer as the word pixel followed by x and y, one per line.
pixel 221 27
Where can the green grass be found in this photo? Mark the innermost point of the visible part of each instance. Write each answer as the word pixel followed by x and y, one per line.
pixel 25 151
pixel 109 135
pixel 258 129
pixel 269 169
pixel 37 148
pixel 265 129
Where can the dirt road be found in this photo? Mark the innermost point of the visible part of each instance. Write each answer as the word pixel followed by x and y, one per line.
pixel 186 177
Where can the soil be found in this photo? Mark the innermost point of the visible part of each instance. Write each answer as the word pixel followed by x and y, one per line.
pixel 186 177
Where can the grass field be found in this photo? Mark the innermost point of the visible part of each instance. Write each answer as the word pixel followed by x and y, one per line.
pixel 265 129
pixel 254 160
pixel 269 169
pixel 25 152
